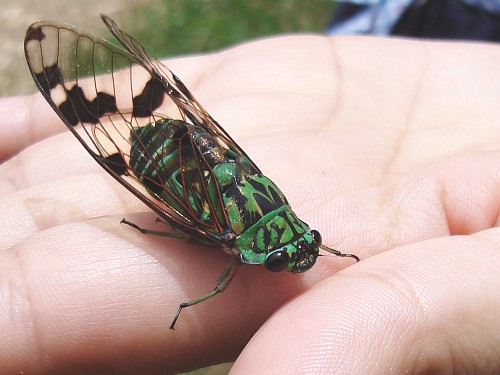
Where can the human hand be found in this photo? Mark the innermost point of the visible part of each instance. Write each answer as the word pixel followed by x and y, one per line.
pixel 387 147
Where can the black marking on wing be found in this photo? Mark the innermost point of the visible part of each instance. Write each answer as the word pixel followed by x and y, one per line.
pixel 78 109
pixel 49 78
pixel 34 33
pixel 117 163
pixel 150 99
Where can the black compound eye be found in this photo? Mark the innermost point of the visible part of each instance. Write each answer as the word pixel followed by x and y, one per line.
pixel 316 237
pixel 277 261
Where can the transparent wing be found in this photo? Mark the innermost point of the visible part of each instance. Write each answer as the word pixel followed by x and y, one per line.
pixel 189 107
pixel 117 97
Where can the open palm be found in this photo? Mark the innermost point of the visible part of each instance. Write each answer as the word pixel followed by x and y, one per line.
pixel 390 148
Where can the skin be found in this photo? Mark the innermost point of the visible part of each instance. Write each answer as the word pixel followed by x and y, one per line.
pixel 390 148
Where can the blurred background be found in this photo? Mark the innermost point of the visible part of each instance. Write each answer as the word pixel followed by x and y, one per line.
pixel 166 28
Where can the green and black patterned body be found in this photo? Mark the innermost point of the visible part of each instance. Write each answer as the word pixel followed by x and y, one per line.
pixel 220 192
pixel 183 165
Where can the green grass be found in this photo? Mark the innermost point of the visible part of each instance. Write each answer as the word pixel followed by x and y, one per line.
pixel 182 26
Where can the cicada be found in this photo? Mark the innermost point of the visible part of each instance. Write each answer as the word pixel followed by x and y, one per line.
pixel 186 167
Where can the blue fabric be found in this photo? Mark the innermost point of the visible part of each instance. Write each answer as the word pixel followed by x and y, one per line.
pixel 368 16
pixel 443 19
pixel 492 6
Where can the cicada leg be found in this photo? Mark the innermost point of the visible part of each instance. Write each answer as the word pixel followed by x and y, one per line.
pixel 154 232
pixel 161 221
pixel 222 282
pixel 338 253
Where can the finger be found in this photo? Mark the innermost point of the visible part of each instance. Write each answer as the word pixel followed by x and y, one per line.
pixel 36 209
pixel 24 121
pixel 86 297
pixel 423 308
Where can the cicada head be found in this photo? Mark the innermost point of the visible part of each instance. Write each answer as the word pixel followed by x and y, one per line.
pixel 297 256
